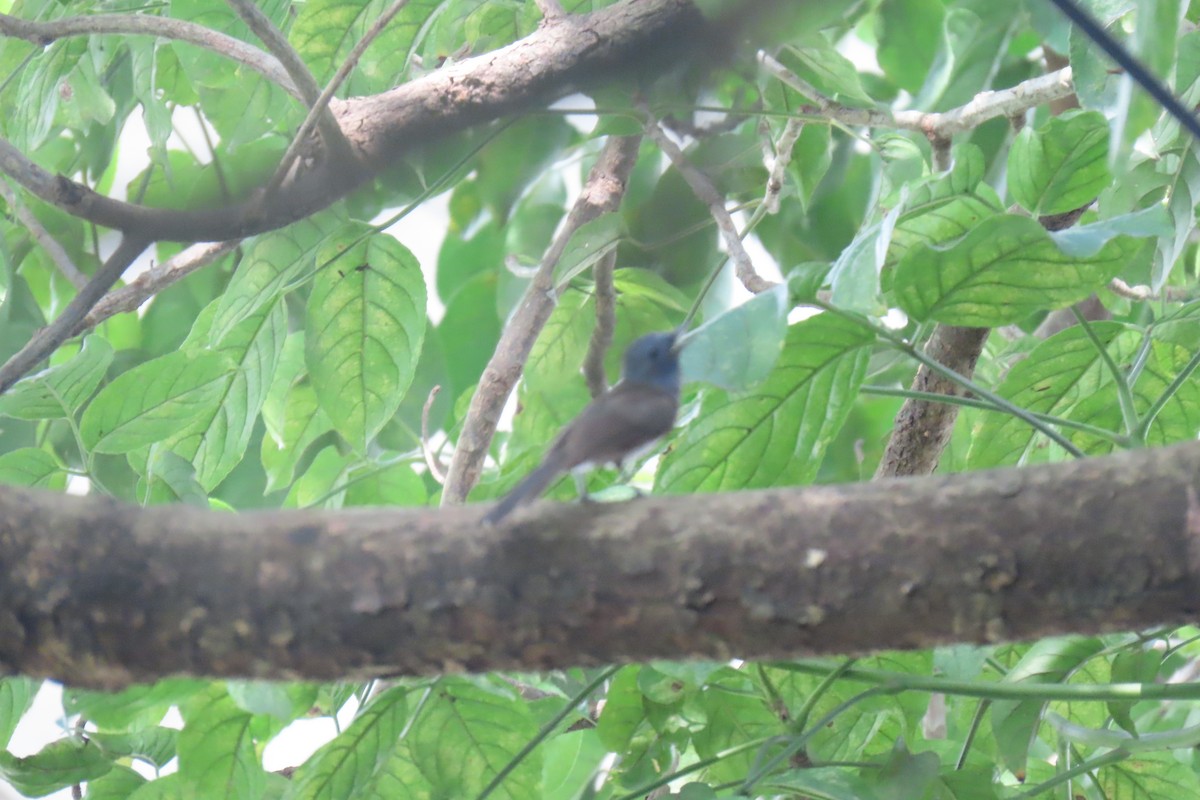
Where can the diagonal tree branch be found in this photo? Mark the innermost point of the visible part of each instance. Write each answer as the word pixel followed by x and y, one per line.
pixel 602 192
pixel 94 594
pixel 628 37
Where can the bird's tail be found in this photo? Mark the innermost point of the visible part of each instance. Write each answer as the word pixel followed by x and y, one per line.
pixel 533 485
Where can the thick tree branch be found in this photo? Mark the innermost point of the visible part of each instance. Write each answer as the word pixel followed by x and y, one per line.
pixel 577 50
pixel 602 192
pixel 43 33
pixel 94 594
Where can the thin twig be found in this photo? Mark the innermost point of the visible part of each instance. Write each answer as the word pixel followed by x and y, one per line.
pixel 602 192
pixel 43 237
pixel 606 321
pixel 1171 294
pixel 708 194
pixel 277 43
pixel 983 107
pixel 779 164
pixel 154 280
pixel 47 340
pixel 431 461
pixel 43 33
pixel 322 103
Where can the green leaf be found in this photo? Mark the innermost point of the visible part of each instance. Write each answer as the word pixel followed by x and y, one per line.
pixel 392 485
pixel 777 434
pixel 363 334
pixel 254 346
pixel 588 244
pixel 217 756
pixel 622 712
pixel 815 59
pixel 466 734
pixel 1132 666
pixel 155 745
pixel 275 262
pixel 570 762
pixel 1149 776
pixel 1015 722
pixel 167 477
pixel 31 466
pixel 154 401
pixel 1056 375
pixel 60 390
pixel 342 769
pixel 285 701
pixel 738 348
pixel 1062 165
pixel 304 421
pixel 734 717
pixel 1005 269
pixel 827 783
pixel 137 706
pixel 16 696
pixel 909 39
pixel 119 783
pixel 58 765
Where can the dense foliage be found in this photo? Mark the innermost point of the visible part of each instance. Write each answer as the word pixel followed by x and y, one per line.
pixel 294 372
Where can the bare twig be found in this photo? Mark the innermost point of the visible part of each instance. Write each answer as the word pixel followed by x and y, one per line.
pixel 983 107
pixel 43 33
pixel 277 43
pixel 708 194
pixel 779 164
pixel 602 192
pixel 154 280
pixel 318 109
pixel 46 340
pixel 606 321
pixel 431 461
pixel 42 236
pixel 1172 294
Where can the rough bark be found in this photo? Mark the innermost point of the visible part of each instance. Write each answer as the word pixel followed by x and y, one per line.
pixel 565 54
pixel 101 594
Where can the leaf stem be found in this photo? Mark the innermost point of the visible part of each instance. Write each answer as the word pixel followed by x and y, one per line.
pixel 1143 428
pixel 545 731
pixel 999 402
pixel 1124 392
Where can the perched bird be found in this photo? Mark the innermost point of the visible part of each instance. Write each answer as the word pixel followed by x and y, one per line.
pixel 615 425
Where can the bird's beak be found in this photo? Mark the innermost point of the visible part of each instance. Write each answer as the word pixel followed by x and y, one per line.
pixel 678 341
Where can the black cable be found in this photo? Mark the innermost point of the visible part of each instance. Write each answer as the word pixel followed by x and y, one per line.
pixel 1156 88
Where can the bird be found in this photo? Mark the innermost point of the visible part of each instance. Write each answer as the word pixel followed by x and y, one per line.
pixel 618 424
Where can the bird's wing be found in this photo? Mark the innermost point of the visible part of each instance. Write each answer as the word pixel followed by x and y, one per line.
pixel 616 423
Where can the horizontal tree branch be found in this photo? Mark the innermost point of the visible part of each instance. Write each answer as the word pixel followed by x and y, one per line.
pixel 95 593
pixel 563 55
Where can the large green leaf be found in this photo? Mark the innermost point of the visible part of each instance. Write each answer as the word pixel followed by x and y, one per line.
pixel 60 390
pixel 155 400
pixel 56 766
pixel 363 334
pixel 1015 722
pixel 31 466
pixel 303 423
pixel 776 434
pixel 738 348
pixel 254 346
pixel 1009 267
pixel 1062 165
pixel 217 756
pixel 343 768
pixel 275 262
pixel 466 734
pixel 16 696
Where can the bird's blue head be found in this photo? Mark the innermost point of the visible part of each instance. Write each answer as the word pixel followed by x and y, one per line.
pixel 654 360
